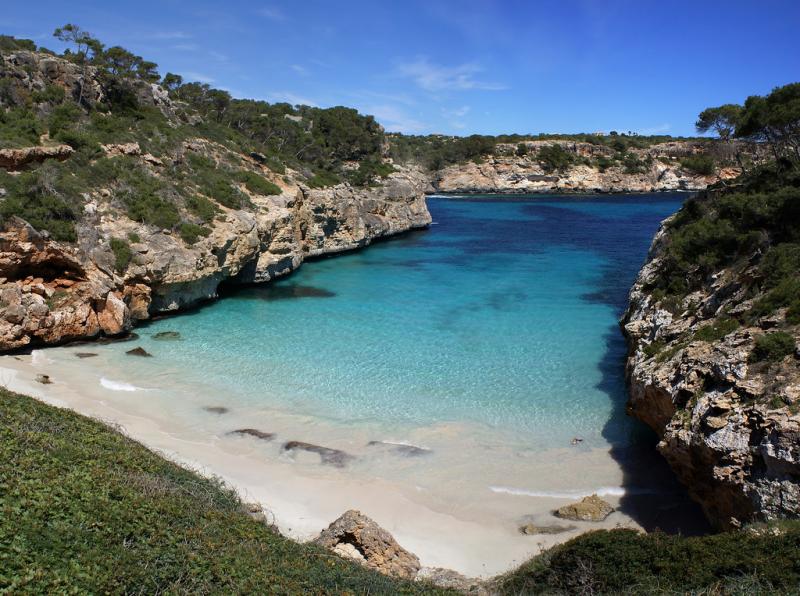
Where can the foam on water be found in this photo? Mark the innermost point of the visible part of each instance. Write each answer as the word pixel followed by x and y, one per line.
pixel 117 385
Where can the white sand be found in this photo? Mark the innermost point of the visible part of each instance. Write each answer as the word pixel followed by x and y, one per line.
pixel 458 508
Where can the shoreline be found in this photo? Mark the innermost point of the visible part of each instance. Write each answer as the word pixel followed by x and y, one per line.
pixel 478 539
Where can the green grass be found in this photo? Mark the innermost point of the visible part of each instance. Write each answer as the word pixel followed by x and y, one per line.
pixel 257 184
pixel 626 562
pixel 191 233
pixel 717 330
pixel 84 509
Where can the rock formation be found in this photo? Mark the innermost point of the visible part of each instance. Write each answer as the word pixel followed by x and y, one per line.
pixel 507 172
pixel 356 536
pixel 729 427
pixel 591 508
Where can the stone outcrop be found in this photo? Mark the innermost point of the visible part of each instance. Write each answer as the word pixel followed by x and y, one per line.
pixel 591 508
pixel 729 428
pixel 507 172
pixel 356 536
pixel 55 292
pixel 17 159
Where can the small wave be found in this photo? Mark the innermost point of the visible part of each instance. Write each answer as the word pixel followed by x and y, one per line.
pixel 118 385
pixel 406 444
pixel 603 491
pixel 38 357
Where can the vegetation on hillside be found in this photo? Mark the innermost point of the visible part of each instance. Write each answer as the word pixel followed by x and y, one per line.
pixel 86 510
pixel 326 146
pixel 756 560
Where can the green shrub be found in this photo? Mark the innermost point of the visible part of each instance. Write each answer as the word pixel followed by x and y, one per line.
pixel 201 207
pixel 257 184
pixel 701 164
pixel 554 158
pixel 625 561
pixel 323 179
pixel 632 164
pixel 52 94
pixel 773 347
pixel 191 233
pixel 63 118
pixel 604 163
pixel 368 170
pixel 213 183
pixel 522 150
pixel 19 128
pixel 122 254
pixel 144 204
pixel 134 237
pixel 717 330
pixel 43 198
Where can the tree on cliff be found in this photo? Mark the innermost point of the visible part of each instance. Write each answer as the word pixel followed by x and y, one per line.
pixel 86 48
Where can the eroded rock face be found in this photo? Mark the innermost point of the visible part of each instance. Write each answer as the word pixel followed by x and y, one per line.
pixel 730 429
pixel 17 159
pixel 356 536
pixel 507 172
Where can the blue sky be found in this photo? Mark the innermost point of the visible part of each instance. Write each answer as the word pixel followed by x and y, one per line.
pixel 459 67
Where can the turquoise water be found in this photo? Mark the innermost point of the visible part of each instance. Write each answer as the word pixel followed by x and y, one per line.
pixel 502 314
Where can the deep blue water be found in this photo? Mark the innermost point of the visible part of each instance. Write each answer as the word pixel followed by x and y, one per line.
pixel 503 313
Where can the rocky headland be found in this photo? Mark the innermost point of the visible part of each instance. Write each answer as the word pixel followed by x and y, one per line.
pixel 713 365
pixel 511 170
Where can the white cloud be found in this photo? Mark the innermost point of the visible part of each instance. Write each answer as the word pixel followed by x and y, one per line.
pixel 434 77
pixel 292 98
pixel 169 35
pixel 198 77
pixel 272 13
pixel 299 69
pixel 394 119
pixel 185 47
pixel 655 130
pixel 454 116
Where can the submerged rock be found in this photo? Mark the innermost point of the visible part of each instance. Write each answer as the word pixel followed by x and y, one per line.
pixel 401 448
pixel 356 536
pixel 139 351
pixel 85 355
pixel 43 379
pixel 591 508
pixel 167 336
pixel 258 434
pixel 533 529
pixel 331 457
pixel 216 409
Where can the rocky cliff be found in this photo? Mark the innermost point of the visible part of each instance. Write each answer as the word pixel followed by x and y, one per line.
pixel 53 292
pixel 155 207
pixel 714 369
pixel 509 170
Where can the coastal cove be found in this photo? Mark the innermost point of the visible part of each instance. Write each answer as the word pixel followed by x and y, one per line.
pixel 489 338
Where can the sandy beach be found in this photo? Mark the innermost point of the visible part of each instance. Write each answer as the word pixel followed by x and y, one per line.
pixel 452 508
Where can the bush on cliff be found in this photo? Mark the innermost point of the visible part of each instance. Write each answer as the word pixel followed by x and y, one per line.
pixel 86 510
pixel 773 347
pixel 627 562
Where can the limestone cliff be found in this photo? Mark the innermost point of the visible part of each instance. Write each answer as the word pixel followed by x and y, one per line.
pixel 259 222
pixel 729 421
pixel 53 292
pixel 658 168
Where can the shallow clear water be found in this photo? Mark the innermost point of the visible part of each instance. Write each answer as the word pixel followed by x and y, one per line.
pixel 502 314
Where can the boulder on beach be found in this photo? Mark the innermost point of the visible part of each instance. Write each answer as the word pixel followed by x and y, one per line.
pixel 43 379
pixel 356 536
pixel 139 351
pixel 591 508
pixel 253 432
pixel 167 336
pixel 331 457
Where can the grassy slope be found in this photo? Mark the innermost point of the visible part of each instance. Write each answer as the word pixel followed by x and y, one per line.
pixel 84 508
